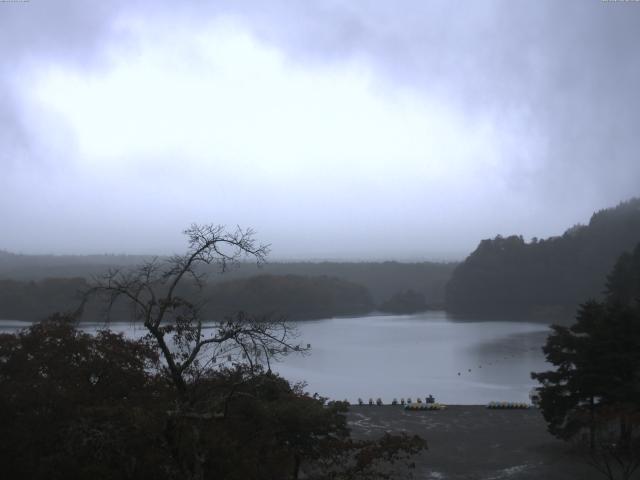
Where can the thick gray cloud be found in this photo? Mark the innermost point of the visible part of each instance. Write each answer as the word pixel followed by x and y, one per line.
pixel 67 31
pixel 556 81
pixel 568 71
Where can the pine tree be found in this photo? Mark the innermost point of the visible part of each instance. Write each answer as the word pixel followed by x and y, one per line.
pixel 595 386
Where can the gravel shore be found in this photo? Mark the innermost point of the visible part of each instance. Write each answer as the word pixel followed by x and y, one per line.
pixel 473 442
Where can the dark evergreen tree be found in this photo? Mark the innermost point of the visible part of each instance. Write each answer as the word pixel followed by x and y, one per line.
pixel 623 283
pixel 595 386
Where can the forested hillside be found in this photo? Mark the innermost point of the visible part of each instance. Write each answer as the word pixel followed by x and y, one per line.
pixel 290 296
pixel 38 267
pixel 382 279
pixel 36 300
pixel 545 278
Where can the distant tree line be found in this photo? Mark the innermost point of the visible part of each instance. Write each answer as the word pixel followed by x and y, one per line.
pixel 35 300
pixel 406 302
pixel 290 296
pixel 382 279
pixel 545 278
pixel 293 296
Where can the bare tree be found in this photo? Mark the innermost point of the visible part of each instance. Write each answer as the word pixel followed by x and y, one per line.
pixel 155 291
pixel 163 299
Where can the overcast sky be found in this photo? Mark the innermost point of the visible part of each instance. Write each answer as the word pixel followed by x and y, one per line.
pixel 404 130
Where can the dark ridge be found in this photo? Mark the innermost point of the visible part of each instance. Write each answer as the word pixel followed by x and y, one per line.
pixel 545 278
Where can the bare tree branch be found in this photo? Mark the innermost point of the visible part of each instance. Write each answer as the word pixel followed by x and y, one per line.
pixel 175 323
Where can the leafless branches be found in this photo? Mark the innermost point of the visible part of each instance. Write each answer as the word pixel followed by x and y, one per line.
pixel 155 292
pixel 615 448
pixel 615 461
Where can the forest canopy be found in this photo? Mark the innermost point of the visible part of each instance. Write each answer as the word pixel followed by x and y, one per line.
pixel 290 296
pixel 544 277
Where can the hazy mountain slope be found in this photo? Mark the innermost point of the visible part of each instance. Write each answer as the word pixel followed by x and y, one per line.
pixel 549 277
pixel 382 279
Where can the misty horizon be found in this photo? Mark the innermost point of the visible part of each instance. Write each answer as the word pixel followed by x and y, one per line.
pixel 453 258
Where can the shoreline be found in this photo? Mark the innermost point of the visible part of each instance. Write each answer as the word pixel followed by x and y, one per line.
pixel 468 442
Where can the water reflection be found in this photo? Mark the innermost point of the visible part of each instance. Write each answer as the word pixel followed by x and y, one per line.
pixel 461 362
pixel 409 356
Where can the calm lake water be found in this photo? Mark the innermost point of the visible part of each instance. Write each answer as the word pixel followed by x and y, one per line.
pixel 457 361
